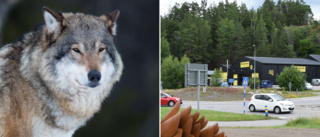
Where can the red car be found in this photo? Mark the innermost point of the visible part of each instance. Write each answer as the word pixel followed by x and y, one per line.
pixel 169 100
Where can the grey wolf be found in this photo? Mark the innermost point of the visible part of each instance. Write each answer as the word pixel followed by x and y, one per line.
pixel 54 78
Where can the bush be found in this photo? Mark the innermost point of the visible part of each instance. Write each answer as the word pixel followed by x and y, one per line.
pixel 285 92
pixel 251 82
pixel 292 96
pixel 172 72
pixel 216 78
pixel 293 75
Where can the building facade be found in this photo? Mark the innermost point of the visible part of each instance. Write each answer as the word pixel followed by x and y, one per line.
pixel 267 68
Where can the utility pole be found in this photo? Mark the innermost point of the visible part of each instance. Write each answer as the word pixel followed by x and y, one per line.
pixel 254 54
pixel 227 69
pixel 254 67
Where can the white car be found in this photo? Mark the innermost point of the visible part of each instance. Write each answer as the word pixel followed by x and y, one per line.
pixel 275 103
pixel 308 86
pixel 315 82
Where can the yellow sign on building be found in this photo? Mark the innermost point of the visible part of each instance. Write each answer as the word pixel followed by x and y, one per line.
pixel 235 76
pixel 224 75
pixel 245 64
pixel 235 83
pixel 301 68
pixel 271 72
pixel 257 75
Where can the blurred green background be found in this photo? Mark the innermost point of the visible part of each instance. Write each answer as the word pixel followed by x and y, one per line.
pixel 132 109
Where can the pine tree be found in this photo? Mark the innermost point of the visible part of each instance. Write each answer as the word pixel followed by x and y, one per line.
pixel 226 34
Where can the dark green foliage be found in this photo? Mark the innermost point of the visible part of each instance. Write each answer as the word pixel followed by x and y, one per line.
pixel 251 82
pixel 226 35
pixel 306 47
pixel 211 34
pixel 165 48
pixel 293 75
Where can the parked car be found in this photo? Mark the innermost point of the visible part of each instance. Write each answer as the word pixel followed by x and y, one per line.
pixel 308 86
pixel 315 82
pixel 275 103
pixel 225 84
pixel 266 84
pixel 169 100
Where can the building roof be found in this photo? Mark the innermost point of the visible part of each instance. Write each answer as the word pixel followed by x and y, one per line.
pixel 286 61
pixel 314 57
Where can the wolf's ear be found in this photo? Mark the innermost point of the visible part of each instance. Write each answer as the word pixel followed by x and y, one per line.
pixel 53 22
pixel 110 20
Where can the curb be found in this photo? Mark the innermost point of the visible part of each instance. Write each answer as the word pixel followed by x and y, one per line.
pixel 256 123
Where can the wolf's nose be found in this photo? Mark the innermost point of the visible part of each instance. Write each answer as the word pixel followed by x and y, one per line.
pixel 94 76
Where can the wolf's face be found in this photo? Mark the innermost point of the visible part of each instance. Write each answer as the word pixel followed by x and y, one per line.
pixel 80 53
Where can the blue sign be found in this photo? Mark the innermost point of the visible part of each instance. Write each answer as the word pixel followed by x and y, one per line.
pixel 230 80
pixel 245 81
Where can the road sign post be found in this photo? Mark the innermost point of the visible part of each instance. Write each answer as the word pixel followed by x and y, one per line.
pixel 196 75
pixel 198 90
pixel 290 90
pixel 231 81
pixel 244 84
pixel 266 110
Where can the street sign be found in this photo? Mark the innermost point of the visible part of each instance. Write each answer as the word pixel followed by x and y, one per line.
pixel 245 81
pixel 191 74
pixel 230 80
pixel 196 75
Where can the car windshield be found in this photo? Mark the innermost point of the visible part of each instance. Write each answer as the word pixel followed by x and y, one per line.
pixel 264 82
pixel 308 84
pixel 277 97
pixel 167 94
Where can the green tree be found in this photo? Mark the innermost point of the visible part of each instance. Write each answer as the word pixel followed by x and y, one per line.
pixel 251 83
pixel 280 47
pixel 216 79
pixel 194 37
pixel 165 48
pixel 306 47
pixel 172 71
pixel 293 75
pixel 261 39
pixel 226 34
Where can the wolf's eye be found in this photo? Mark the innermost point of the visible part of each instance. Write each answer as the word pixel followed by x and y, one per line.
pixel 101 49
pixel 76 50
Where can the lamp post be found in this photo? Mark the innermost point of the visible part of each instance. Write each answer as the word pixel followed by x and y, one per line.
pixel 254 68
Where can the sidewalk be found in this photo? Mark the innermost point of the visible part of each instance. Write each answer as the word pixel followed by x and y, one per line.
pixel 255 123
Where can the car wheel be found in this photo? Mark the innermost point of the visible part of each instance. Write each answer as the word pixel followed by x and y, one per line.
pixel 171 103
pixel 252 108
pixel 277 110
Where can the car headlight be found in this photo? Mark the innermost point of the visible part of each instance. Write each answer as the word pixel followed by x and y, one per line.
pixel 177 99
pixel 281 104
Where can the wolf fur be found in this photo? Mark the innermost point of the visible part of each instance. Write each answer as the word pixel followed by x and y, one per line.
pixel 54 78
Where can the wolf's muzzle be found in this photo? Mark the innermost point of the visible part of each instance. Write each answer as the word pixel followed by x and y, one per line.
pixel 94 77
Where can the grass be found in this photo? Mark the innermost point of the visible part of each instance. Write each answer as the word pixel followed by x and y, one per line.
pixel 303 122
pixel 233 94
pixel 286 94
pixel 220 116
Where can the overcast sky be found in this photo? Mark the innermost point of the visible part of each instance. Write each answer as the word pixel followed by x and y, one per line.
pixel 165 4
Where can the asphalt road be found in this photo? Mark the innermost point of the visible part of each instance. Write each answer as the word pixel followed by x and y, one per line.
pixel 271 132
pixel 305 107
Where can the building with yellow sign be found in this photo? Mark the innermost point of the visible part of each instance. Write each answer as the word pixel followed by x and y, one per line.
pixel 267 68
